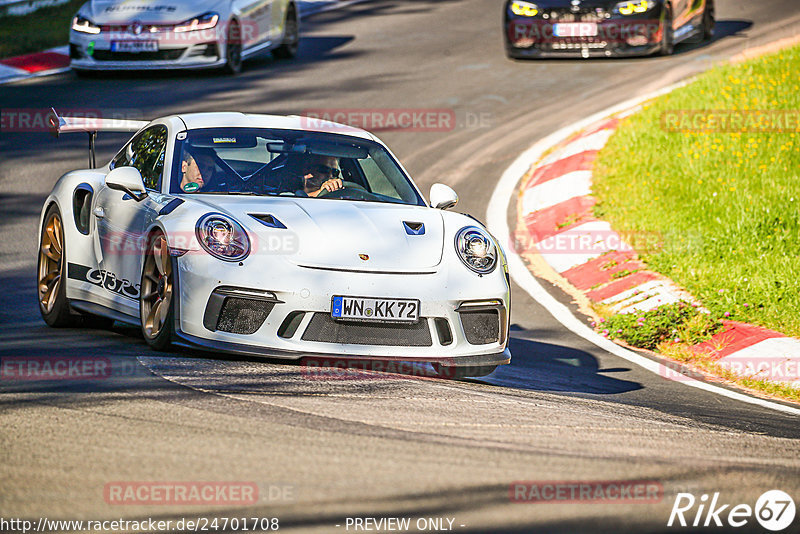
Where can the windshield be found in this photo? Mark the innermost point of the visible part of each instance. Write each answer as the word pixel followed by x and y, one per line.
pixel 288 163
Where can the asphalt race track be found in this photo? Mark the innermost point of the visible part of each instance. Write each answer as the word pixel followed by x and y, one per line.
pixel 380 446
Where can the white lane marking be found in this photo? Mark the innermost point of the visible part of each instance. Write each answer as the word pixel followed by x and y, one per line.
pixel 497 213
pixel 555 191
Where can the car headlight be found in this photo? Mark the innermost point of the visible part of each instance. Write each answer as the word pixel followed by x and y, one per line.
pixel 205 21
pixel 84 25
pixel 634 7
pixel 476 249
pixel 524 9
pixel 222 237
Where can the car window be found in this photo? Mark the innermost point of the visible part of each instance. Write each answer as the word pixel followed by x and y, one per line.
pixel 287 163
pixel 146 152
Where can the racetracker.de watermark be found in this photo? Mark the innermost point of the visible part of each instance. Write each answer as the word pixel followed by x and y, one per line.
pixel 582 491
pixel 344 120
pixel 121 243
pixel 78 368
pixel 354 368
pixel 773 369
pixel 588 241
pixel 32 368
pixel 731 121
pixel 631 33
pixel 26 120
pixel 209 33
pixel 181 493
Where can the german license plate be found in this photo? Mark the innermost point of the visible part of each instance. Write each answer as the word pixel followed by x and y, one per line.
pixel 575 29
pixel 134 46
pixel 375 310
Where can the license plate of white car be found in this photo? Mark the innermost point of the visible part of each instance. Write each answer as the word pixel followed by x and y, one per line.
pixel 134 46
pixel 375 309
pixel 575 29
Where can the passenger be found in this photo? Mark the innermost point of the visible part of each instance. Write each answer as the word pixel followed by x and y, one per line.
pixel 198 171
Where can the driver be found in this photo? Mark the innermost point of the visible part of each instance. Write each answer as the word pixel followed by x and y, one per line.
pixel 197 170
pixel 321 174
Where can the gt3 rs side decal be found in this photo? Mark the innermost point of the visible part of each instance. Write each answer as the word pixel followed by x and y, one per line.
pixel 104 279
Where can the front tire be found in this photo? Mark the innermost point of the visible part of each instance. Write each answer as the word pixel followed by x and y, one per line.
pixel 291 39
pixel 667 33
pixel 51 268
pixel 709 20
pixel 233 49
pixel 156 302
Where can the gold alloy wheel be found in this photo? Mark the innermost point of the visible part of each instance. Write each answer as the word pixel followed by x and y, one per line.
pixel 51 264
pixel 156 288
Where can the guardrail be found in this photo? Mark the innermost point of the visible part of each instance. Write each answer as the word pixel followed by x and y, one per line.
pixel 23 7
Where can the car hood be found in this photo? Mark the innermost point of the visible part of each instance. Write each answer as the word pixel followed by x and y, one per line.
pixel 340 234
pixel 145 11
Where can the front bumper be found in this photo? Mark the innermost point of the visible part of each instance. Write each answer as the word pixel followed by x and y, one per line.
pixel 94 52
pixel 615 37
pixel 295 306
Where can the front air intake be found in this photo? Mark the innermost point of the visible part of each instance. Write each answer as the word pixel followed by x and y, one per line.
pixel 324 329
pixel 238 310
pixel 481 327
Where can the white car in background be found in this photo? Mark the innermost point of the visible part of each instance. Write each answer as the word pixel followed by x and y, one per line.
pixel 236 256
pixel 171 34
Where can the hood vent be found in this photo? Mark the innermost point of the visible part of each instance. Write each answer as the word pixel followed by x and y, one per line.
pixel 414 228
pixel 268 220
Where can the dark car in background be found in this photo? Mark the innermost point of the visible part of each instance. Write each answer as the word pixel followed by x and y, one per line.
pixel 605 28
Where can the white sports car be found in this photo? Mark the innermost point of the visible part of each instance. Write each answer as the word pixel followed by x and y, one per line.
pixel 286 237
pixel 170 34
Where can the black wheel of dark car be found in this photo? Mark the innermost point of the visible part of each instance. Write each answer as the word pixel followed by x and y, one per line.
pixel 667 33
pixel 709 20
pixel 233 49
pixel 510 52
pixel 156 303
pixel 452 372
pixel 291 39
pixel 52 293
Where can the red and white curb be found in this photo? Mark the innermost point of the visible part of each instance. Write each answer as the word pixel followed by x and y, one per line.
pixel 53 61
pixel 555 223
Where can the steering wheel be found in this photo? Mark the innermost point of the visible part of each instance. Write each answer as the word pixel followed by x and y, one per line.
pixel 351 190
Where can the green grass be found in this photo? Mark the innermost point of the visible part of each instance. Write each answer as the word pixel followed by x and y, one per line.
pixel 672 323
pixel 727 205
pixel 46 28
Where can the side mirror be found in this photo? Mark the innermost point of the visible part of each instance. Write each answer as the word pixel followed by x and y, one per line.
pixel 443 197
pixel 129 180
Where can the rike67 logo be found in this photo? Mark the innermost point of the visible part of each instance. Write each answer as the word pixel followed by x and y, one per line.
pixel 774 510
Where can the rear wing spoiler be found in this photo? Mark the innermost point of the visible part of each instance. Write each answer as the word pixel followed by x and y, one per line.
pixel 61 125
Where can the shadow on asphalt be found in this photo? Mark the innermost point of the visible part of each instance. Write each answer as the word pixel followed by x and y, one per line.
pixel 136 371
pixel 541 366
